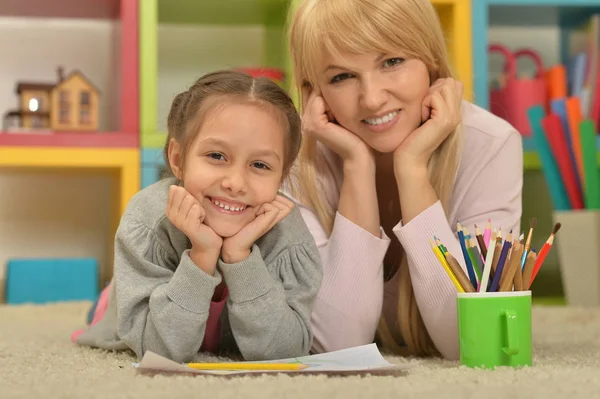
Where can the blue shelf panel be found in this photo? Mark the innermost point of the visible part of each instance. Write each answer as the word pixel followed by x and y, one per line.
pixel 151 164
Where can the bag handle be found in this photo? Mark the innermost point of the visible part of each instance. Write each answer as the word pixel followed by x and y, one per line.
pixel 510 65
pixel 526 52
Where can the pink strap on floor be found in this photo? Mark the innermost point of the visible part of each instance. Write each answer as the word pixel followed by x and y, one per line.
pixel 99 312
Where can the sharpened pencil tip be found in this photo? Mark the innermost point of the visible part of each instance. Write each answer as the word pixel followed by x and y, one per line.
pixel 532 222
pixel 557 227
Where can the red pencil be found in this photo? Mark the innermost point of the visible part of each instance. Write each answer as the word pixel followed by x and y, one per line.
pixel 543 252
pixel 559 146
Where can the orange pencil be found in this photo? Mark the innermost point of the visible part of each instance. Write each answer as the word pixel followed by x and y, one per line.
pixel 574 117
pixel 556 81
pixel 543 252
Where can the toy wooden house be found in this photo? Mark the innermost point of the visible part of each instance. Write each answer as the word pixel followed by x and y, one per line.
pixel 69 105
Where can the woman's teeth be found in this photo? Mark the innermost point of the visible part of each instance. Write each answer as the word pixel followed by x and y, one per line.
pixel 384 119
pixel 238 208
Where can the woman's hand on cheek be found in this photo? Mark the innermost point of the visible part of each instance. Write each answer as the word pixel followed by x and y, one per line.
pixel 317 123
pixel 441 111
pixel 237 248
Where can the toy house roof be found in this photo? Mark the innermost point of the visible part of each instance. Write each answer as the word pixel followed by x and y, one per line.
pixel 21 86
pixel 78 72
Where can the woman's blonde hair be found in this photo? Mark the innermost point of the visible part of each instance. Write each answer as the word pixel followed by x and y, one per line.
pixel 321 27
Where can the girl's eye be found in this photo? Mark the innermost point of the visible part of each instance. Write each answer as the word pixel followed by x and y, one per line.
pixel 340 77
pixel 216 156
pixel 392 62
pixel 261 165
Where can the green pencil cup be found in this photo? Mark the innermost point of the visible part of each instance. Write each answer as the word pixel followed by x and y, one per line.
pixel 494 329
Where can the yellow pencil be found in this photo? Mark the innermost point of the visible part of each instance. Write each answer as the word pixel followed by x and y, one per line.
pixel 248 366
pixel 446 266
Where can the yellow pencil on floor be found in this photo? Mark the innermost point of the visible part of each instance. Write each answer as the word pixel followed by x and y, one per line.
pixel 446 266
pixel 248 366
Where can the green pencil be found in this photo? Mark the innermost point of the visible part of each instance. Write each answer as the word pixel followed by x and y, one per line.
pixel 590 166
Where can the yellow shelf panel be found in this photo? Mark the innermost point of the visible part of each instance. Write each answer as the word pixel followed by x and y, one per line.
pixel 121 163
pixel 125 160
pixel 455 17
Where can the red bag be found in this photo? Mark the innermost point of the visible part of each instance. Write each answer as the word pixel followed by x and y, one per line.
pixel 512 101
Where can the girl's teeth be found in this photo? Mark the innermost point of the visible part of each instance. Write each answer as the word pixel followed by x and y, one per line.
pixel 229 208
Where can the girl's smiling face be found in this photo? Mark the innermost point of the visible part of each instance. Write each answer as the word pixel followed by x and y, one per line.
pixel 378 97
pixel 235 163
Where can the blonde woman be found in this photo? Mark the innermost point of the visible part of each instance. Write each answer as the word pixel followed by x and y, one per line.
pixel 391 156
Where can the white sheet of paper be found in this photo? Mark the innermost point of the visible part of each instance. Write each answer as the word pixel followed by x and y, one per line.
pixel 360 358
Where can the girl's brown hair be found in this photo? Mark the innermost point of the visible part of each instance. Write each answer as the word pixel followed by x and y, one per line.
pixel 189 109
pixel 321 27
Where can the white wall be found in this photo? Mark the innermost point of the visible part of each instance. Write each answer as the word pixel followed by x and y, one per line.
pixel 57 215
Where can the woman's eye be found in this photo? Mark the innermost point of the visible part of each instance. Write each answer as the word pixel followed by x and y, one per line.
pixel 261 165
pixel 340 77
pixel 392 62
pixel 216 156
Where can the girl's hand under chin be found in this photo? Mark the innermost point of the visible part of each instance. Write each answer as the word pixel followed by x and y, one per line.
pixel 441 111
pixel 237 247
pixel 316 123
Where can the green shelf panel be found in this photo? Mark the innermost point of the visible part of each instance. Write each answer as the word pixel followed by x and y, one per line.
pixel 223 12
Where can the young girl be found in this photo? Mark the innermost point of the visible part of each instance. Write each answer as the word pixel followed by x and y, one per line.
pixel 399 158
pixel 215 243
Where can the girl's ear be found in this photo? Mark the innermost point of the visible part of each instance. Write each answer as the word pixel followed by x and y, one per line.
pixel 175 158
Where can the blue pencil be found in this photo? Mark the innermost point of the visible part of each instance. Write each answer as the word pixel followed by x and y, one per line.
pixel 501 262
pixel 463 247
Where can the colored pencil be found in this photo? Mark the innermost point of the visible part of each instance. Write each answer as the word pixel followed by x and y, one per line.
pixel 528 270
pixel 497 251
pixel 487 233
pixel 459 273
pixel 544 252
pixel 473 261
pixel 501 260
pixel 532 223
pixel 513 264
pixel 574 118
pixel 481 242
pixel 549 167
pixel 555 134
pixel 485 277
pixel 478 260
pixel 518 278
pixel 588 148
pixel 559 108
pixel 446 266
pixel 247 366
pixel 470 271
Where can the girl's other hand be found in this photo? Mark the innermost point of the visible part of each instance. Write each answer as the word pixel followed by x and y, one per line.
pixel 237 248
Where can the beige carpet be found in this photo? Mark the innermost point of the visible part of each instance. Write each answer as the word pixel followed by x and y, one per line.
pixel 37 360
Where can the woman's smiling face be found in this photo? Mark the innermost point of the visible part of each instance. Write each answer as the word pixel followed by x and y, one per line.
pixel 378 97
